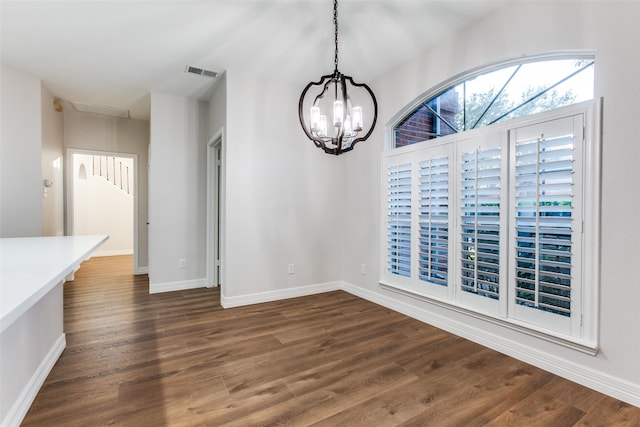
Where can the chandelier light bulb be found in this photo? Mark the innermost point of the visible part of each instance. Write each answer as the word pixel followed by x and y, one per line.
pixel 315 119
pixel 338 112
pixel 356 113
pixel 323 126
pixel 348 128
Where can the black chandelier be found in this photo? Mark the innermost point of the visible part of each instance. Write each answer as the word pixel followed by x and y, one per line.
pixel 341 97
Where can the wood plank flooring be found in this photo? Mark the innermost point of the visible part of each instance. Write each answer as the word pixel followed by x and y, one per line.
pixel 179 359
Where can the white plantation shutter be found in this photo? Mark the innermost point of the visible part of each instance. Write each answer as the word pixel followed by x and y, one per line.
pixel 543 223
pixel 492 223
pixel 398 186
pixel 546 221
pixel 433 242
pixel 481 206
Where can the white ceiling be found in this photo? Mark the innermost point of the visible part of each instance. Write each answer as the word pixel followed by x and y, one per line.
pixel 115 53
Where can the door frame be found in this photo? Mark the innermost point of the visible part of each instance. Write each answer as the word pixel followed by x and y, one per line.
pixel 216 195
pixel 69 204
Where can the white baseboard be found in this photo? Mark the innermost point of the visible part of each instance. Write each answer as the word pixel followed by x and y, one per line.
pixel 596 380
pixel 23 402
pixel 260 297
pixel 155 288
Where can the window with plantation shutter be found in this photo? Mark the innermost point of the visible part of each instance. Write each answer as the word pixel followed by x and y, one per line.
pixel 433 249
pixel 399 219
pixel 502 224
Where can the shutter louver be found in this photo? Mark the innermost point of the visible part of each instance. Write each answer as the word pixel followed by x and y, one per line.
pixel 480 222
pixel 544 216
pixel 399 220
pixel 434 221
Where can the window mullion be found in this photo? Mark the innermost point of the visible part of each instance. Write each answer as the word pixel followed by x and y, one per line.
pixel 415 219
pixel 536 271
pixel 475 228
pixel 430 219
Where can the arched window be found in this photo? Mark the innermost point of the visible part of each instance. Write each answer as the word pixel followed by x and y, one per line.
pixel 502 224
pixel 507 91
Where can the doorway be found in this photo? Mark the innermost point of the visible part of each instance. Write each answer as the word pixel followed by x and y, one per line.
pixel 102 198
pixel 215 210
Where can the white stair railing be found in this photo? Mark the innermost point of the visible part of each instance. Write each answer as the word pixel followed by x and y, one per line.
pixel 113 171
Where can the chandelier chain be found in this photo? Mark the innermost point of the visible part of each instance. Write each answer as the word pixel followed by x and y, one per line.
pixel 335 23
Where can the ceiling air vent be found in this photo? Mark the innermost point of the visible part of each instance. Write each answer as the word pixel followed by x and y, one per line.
pixel 100 109
pixel 200 71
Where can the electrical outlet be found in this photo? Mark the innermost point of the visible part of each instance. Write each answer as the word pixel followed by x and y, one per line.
pixel 182 263
pixel 363 268
pixel 292 268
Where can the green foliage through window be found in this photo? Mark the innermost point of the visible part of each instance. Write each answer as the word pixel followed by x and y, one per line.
pixel 498 95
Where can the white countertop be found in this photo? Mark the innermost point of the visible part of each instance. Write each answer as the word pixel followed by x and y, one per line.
pixel 31 266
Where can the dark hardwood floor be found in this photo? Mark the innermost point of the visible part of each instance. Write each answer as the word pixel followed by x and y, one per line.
pixel 179 359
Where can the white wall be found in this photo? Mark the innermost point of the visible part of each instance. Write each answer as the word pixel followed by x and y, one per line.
pixel 217 108
pixel 521 28
pixel 94 132
pixel 283 195
pixel 20 147
pixel 52 167
pixel 177 193
pixel 100 207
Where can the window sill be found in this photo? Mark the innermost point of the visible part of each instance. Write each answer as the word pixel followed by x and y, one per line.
pixel 587 347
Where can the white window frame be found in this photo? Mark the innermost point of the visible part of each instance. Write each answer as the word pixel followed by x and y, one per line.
pixel 584 334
